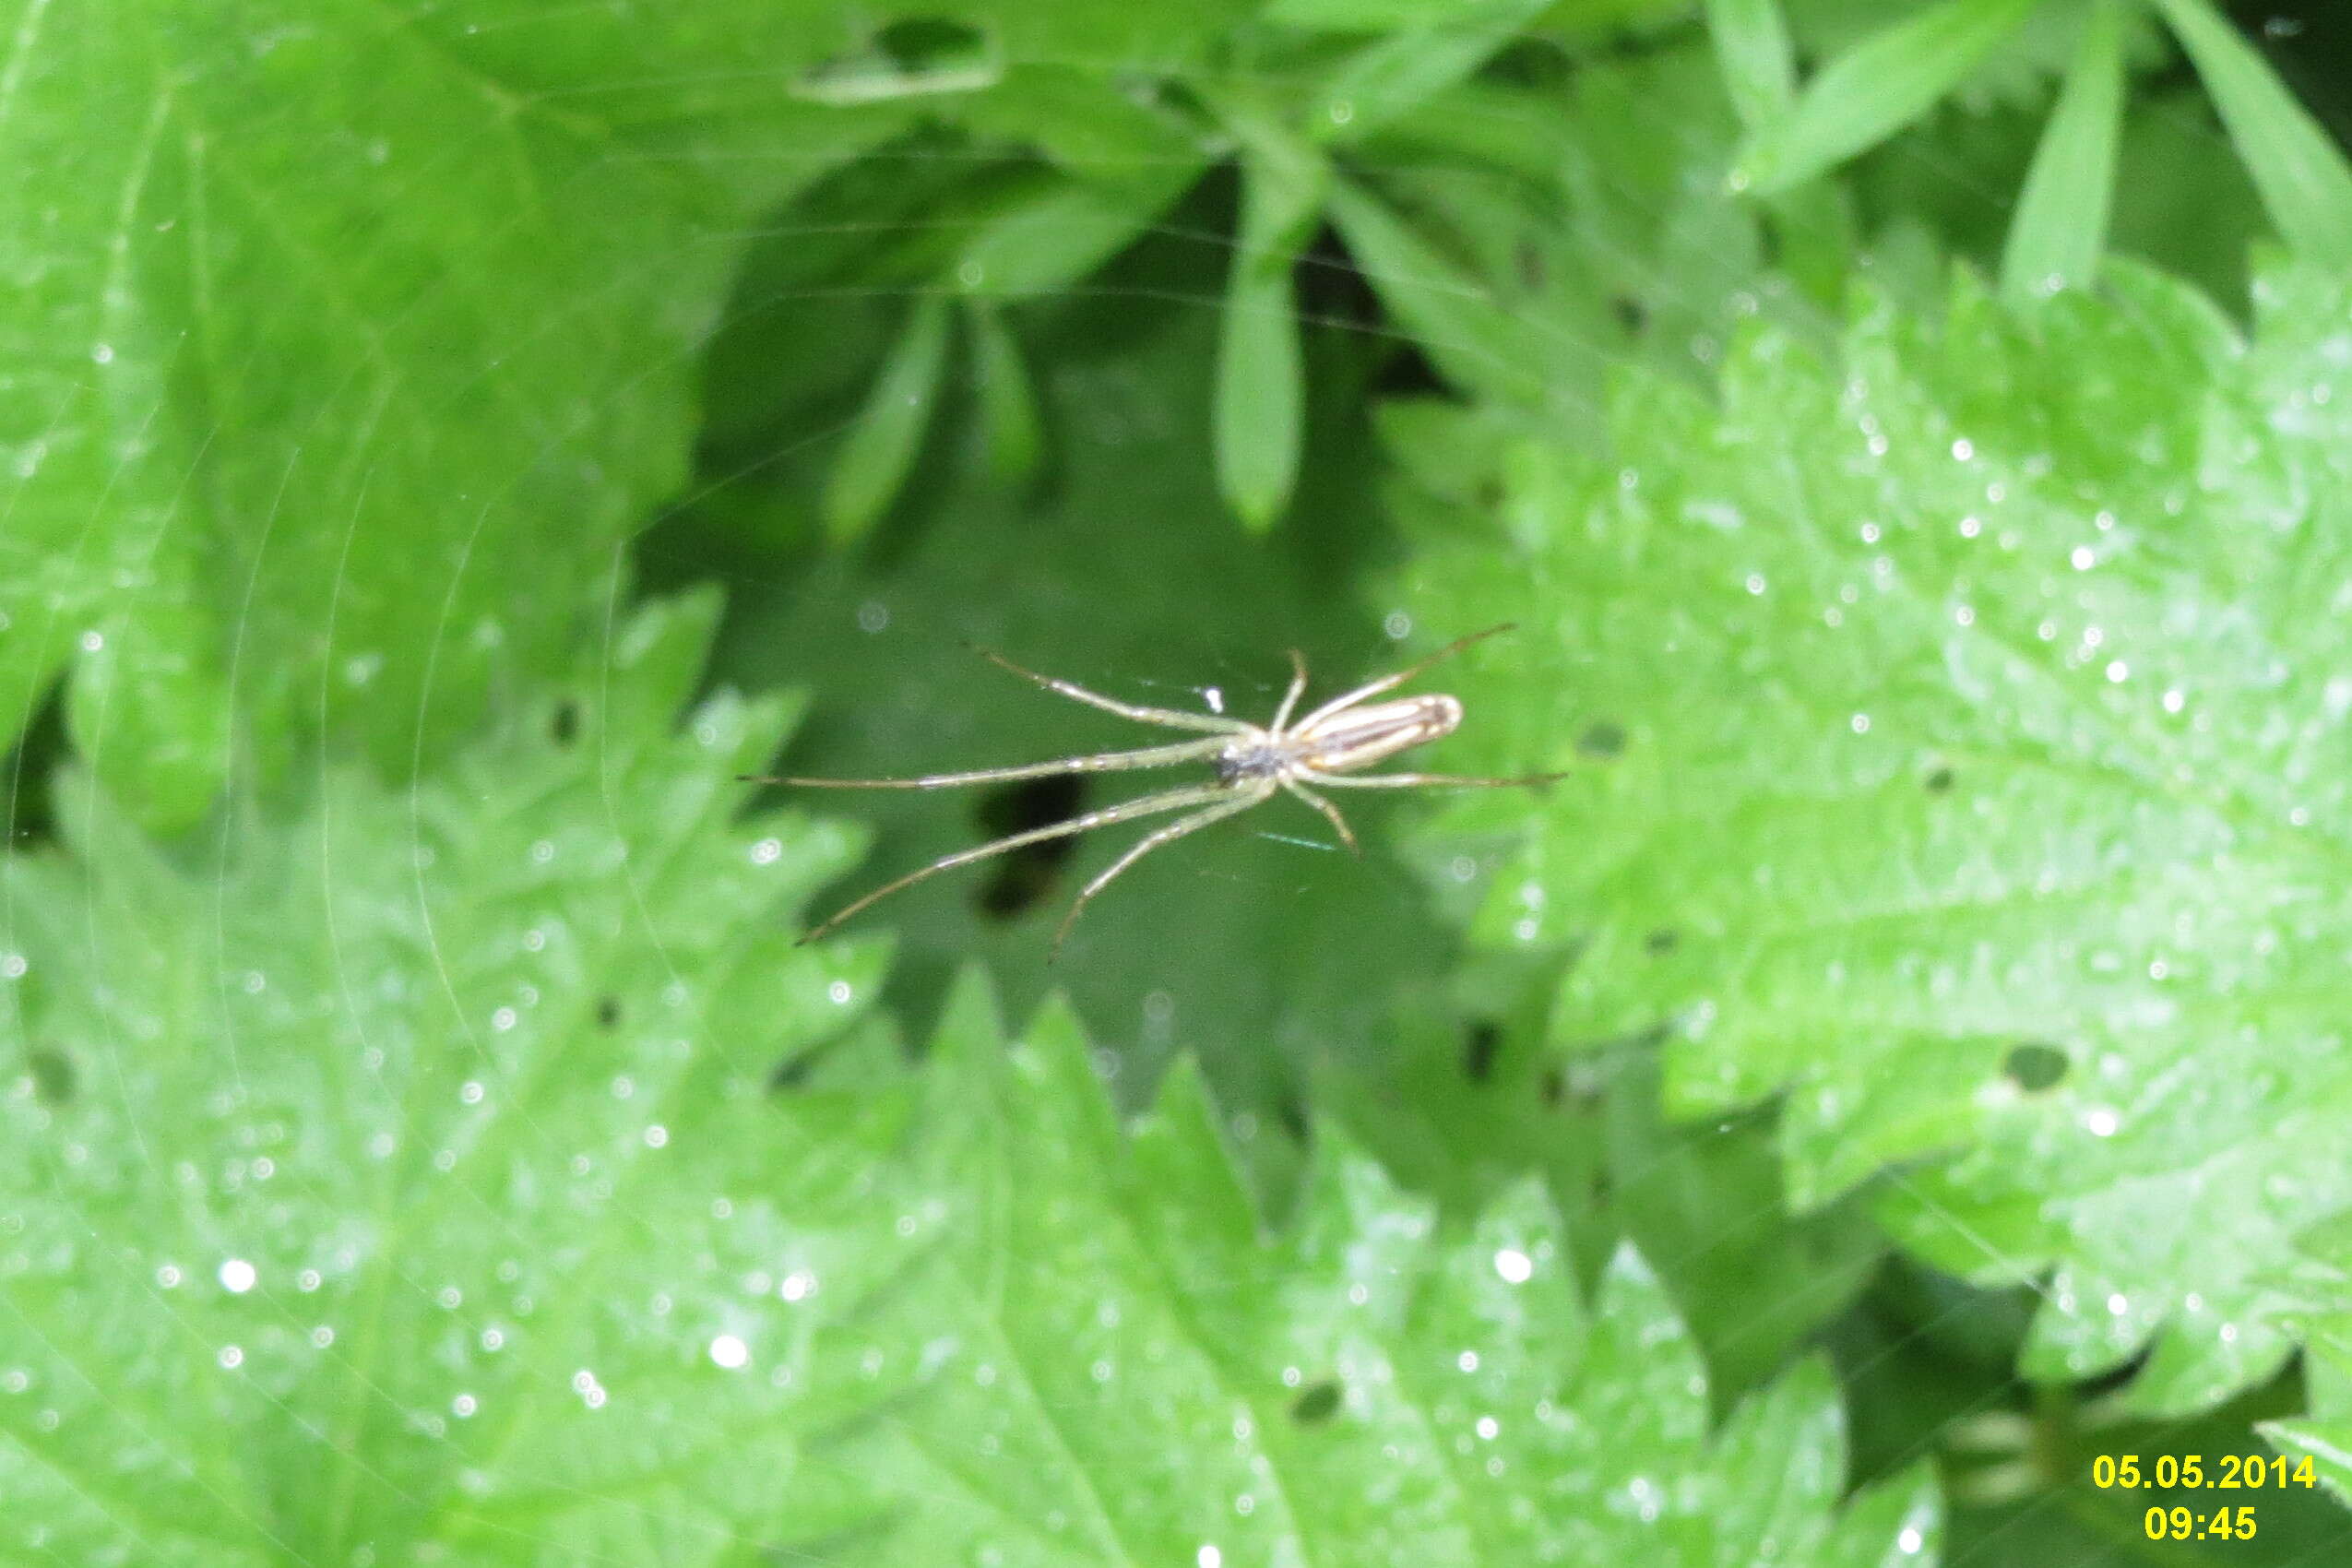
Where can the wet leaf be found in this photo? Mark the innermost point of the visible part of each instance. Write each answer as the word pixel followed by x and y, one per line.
pixel 1980 698
pixel 397 1180
pixel 1131 1367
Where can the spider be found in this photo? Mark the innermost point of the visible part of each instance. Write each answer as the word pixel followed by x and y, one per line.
pixel 1252 763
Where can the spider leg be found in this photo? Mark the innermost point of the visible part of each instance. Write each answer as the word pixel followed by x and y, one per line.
pixel 1168 718
pixel 1143 805
pixel 1298 689
pixel 1389 682
pixel 1414 780
pixel 1105 761
pixel 1166 835
pixel 1331 815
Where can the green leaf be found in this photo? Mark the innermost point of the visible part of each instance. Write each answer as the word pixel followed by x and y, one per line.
pixel 1051 241
pixel 2060 228
pixel 883 443
pixel 1978 697
pixel 1470 1101
pixel 1260 399
pixel 2301 172
pixel 1384 81
pixel 2321 1434
pixel 1258 947
pixel 1874 89
pixel 1258 391
pixel 1130 1365
pixel 1454 316
pixel 1759 65
pixel 414 1152
pixel 1009 421
pixel 320 349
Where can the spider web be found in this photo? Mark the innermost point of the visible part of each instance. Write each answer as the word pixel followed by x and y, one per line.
pixel 1294 975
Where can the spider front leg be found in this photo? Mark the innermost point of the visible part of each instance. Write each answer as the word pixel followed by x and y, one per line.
pixel 1390 683
pixel 1167 718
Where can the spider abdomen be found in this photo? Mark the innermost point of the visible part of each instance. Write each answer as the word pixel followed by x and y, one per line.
pixel 1359 737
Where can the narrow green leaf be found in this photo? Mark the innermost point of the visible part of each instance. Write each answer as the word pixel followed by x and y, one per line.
pixel 1874 89
pixel 2060 225
pixel 1371 15
pixel 1753 50
pixel 1259 390
pixel 1010 427
pixel 1403 71
pixel 1052 240
pixel 881 447
pixel 1467 336
pixel 2299 171
pixel 1260 394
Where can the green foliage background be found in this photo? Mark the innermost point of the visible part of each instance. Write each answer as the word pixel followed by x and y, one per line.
pixel 1904 1059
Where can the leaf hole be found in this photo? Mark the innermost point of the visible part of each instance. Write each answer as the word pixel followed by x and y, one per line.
pixel 608 1011
pixel 1939 782
pixel 1661 942
pixel 30 811
pixel 1316 1403
pixel 1025 876
pixel 1603 741
pixel 1480 1043
pixel 1631 314
pixel 564 725
pixel 2035 1065
pixel 53 1078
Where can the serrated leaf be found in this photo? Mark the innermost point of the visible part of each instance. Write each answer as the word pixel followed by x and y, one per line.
pixel 2301 172
pixel 1472 1099
pixel 1131 1367
pixel 1874 89
pixel 1977 692
pixel 2322 1435
pixel 881 449
pixel 304 379
pixel 2060 228
pixel 397 1180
